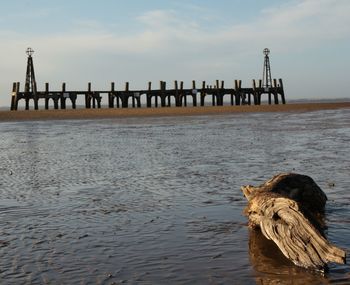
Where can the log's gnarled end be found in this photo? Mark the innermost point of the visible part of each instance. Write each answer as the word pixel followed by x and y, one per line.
pixel 300 188
pixel 248 191
pixel 285 220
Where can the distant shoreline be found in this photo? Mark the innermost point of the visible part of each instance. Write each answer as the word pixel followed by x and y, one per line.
pixel 105 113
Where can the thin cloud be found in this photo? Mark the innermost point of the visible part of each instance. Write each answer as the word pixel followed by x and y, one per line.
pixel 185 44
pixel 308 21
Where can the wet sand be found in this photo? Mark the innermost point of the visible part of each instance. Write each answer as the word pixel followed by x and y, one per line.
pixel 81 114
pixel 157 200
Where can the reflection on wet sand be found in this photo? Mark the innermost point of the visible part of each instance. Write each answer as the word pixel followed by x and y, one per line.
pixel 271 267
pixel 157 200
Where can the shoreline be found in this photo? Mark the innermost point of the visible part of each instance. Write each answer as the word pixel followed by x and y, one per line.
pixel 105 113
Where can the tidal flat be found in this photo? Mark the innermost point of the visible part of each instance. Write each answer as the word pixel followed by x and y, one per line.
pixel 157 200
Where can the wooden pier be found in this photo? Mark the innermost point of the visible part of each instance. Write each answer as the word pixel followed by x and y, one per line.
pixel 149 97
pixel 177 96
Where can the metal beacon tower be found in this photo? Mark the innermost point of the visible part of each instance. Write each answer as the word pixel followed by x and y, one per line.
pixel 267 79
pixel 30 85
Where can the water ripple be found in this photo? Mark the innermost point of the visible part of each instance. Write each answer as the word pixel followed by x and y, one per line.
pixel 158 201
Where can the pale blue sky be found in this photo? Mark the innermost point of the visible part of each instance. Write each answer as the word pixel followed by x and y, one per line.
pixel 78 41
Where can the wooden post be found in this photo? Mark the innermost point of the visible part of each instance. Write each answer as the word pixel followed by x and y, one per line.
pixel 90 94
pixel 88 97
pixel 156 100
pixel 127 88
pixel 260 88
pixel 117 97
pixel 138 100
pixel 215 94
pixel 255 93
pixel 177 96
pixel 47 95
pixel 55 98
pixel 194 93
pixel 169 99
pixel 149 95
pixel 232 95
pixel 18 86
pixel 98 99
pixel 183 94
pixel 17 91
pixel 73 98
pixel 35 98
pixel 275 92
pixel 93 100
pixel 162 94
pixel 63 98
pixel 238 93
pixel 125 97
pixel 282 91
pixel 133 100
pixel 203 94
pixel 111 96
pixel 220 93
pixel 14 97
pixel 240 86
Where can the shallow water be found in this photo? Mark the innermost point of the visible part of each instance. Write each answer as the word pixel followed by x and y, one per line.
pixel 158 201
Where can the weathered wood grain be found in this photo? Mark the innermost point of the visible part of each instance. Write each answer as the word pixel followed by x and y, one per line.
pixel 288 209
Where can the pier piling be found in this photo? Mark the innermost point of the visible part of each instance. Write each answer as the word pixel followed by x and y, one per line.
pixel 133 98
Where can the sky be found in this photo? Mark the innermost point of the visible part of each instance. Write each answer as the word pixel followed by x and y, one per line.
pixel 81 41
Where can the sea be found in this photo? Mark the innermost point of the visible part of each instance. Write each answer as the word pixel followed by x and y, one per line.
pixel 157 200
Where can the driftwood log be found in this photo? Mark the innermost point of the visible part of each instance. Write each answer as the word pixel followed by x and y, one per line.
pixel 289 210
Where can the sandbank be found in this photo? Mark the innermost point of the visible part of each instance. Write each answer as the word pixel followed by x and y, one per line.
pixel 104 113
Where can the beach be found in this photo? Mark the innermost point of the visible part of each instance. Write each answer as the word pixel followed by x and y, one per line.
pixel 157 199
pixel 81 114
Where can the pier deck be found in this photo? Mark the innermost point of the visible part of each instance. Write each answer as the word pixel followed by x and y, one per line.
pixel 177 96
